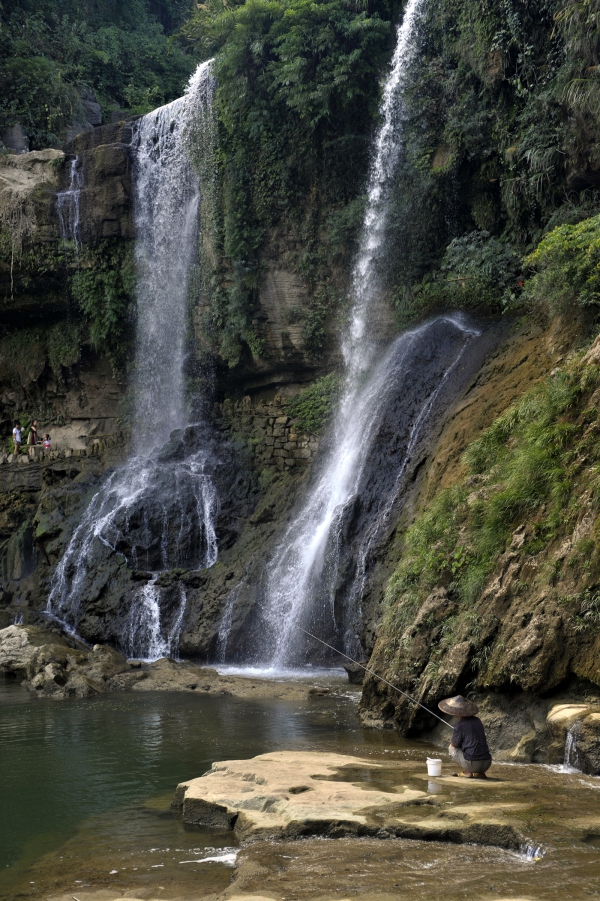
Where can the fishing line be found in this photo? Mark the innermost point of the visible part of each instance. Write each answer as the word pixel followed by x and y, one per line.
pixel 381 679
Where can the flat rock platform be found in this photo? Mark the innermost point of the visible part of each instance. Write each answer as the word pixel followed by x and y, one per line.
pixel 293 794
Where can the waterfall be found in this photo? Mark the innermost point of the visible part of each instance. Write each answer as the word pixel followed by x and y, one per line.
pixel 146 629
pixel 157 511
pixel 571 760
pixel 167 196
pixel 67 204
pixel 304 579
pixel 317 575
pixel 358 348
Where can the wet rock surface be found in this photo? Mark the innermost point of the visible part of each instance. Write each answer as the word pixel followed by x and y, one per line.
pixel 53 664
pixel 293 794
pixel 575 733
pixel 154 519
pixel 526 636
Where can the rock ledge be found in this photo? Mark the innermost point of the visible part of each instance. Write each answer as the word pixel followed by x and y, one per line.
pixel 287 795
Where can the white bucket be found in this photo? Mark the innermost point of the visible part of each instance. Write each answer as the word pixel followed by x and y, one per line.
pixel 434 766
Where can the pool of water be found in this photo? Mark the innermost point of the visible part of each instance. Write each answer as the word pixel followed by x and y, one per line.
pixel 86 787
pixel 108 766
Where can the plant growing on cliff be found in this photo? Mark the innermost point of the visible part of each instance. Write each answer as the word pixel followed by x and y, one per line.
pixel 477 272
pixel 103 288
pixel 298 90
pixel 524 468
pixel 567 267
pixel 312 409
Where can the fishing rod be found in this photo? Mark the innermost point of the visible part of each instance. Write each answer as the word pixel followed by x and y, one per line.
pixel 381 679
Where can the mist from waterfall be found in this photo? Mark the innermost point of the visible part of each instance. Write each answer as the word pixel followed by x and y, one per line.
pixel 157 510
pixel 302 580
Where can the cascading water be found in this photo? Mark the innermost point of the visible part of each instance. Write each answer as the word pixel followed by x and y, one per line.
pixel 314 580
pixel 357 346
pixel 68 204
pixel 157 511
pixel 316 577
pixel 167 196
pixel 571 760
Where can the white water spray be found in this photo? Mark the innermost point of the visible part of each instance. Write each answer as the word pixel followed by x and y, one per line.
pixel 357 346
pixel 167 195
pixel 302 578
pixel 158 510
pixel 571 760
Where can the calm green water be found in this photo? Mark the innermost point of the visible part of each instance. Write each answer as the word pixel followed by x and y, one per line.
pixel 85 789
pixel 93 765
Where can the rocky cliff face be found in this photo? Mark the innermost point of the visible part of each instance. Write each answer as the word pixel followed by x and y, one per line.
pixel 531 631
pixel 533 627
pixel 50 371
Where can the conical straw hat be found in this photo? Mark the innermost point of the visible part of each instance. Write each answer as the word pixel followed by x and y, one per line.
pixel 458 706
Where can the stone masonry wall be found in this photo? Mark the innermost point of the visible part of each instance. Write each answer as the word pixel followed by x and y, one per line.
pixel 268 432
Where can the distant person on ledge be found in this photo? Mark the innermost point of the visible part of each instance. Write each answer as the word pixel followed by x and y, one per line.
pixel 32 438
pixel 468 747
pixel 17 436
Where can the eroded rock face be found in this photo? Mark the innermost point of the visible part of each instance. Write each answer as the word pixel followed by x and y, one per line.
pixel 54 666
pixel 575 733
pixel 526 635
pixel 106 194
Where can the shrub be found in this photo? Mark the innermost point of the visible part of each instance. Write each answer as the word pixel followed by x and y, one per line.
pixel 478 272
pixel 103 289
pixel 521 468
pixel 567 261
pixel 313 408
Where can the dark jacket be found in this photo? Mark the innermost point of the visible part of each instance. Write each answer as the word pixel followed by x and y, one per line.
pixel 469 736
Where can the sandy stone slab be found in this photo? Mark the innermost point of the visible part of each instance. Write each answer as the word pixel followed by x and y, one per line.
pixel 287 794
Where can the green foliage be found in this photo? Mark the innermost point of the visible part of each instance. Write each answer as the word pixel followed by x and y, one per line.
pixel 58 345
pixel 579 80
pixel 323 305
pixel 298 90
pixel 120 50
pixel 63 345
pixel 502 130
pixel 477 272
pixel 103 289
pixel 491 137
pixel 312 409
pixel 36 96
pixel 567 261
pixel 522 469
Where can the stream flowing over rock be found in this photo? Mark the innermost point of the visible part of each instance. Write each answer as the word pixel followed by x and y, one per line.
pixel 255 464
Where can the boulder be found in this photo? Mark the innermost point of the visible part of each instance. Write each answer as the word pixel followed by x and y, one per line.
pixel 18 645
pixel 93 112
pixel 588 744
pixel 50 665
pixel 575 736
pixel 356 672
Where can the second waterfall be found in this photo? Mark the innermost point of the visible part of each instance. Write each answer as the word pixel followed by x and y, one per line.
pixel 158 510
pixel 392 390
